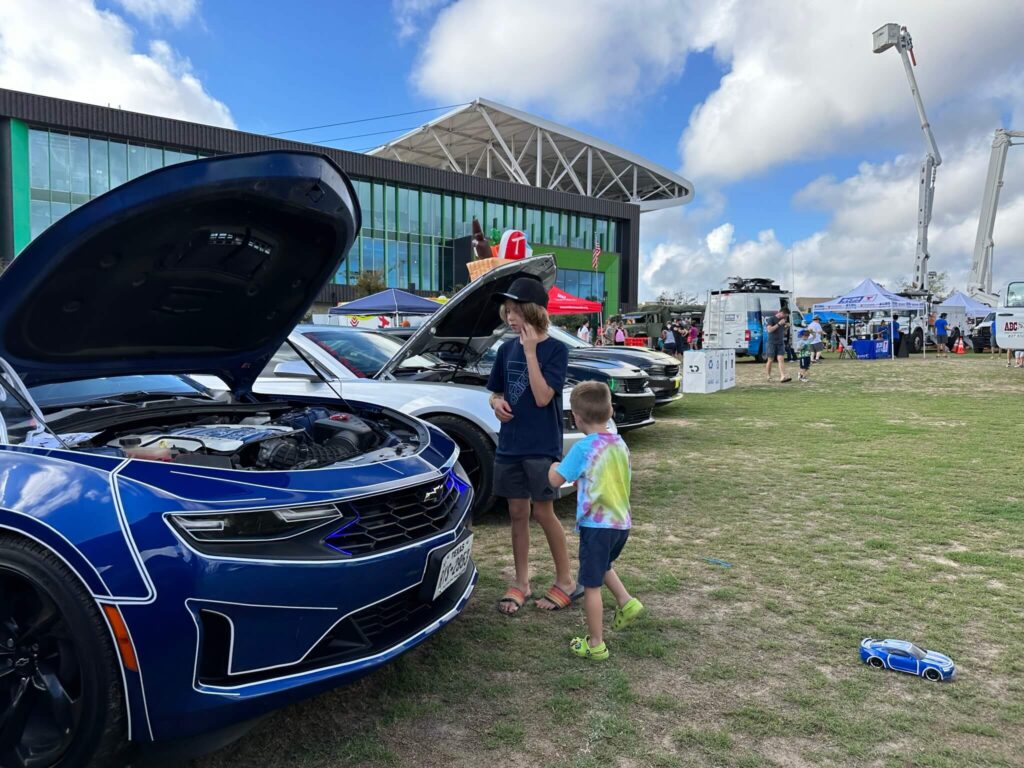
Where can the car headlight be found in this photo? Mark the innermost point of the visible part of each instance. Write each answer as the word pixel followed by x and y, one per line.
pixel 256 526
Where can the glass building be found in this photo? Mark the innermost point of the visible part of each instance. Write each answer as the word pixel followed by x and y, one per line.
pixel 57 155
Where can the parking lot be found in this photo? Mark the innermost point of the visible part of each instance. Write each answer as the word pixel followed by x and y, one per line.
pixel 775 526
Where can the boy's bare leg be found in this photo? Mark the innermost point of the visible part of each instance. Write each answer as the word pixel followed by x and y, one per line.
pixel 612 581
pixel 595 614
pixel 544 514
pixel 519 511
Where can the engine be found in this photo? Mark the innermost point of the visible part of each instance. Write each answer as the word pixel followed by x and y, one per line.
pixel 297 439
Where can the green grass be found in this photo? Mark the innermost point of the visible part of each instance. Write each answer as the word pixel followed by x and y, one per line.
pixel 881 499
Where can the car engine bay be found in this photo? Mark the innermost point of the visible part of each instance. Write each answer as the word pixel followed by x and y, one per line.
pixel 266 438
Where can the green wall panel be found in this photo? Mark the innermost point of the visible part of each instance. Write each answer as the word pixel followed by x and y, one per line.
pixel 576 258
pixel 19 185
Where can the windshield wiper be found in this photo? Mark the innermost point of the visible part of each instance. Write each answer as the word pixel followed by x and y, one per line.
pixel 137 399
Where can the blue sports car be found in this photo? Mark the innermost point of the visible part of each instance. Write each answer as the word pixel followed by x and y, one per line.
pixel 175 564
pixel 904 656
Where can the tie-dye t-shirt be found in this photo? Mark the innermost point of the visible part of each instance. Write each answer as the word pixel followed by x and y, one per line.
pixel 600 463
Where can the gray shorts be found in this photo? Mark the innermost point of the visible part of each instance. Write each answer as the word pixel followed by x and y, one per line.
pixel 776 349
pixel 818 346
pixel 525 478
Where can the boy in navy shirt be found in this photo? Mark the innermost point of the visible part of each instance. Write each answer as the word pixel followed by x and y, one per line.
pixel 526 384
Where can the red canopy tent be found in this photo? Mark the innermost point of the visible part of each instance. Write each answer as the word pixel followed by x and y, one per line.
pixel 562 303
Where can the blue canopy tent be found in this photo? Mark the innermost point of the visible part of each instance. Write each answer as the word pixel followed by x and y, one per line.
pixel 828 317
pixel 389 302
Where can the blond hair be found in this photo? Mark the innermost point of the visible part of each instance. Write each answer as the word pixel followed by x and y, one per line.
pixel 591 401
pixel 534 314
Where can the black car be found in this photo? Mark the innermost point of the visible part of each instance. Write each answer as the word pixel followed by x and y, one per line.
pixel 632 399
pixel 662 370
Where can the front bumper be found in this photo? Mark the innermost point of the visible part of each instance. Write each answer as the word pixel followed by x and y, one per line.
pixel 632 411
pixel 666 389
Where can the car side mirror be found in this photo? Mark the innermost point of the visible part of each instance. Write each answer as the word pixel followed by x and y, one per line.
pixel 295 369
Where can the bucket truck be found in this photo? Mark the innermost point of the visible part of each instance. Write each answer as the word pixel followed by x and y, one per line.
pixel 896 36
pixel 979 284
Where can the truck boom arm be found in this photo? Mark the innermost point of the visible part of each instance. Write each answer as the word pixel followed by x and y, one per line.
pixel 895 36
pixel 979 284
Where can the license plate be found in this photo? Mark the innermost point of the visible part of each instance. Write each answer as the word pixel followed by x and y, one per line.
pixel 453 566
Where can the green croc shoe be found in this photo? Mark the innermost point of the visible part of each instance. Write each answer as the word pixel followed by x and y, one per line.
pixel 582 648
pixel 627 614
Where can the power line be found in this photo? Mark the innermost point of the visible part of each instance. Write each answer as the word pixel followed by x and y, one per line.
pixel 361 135
pixel 367 120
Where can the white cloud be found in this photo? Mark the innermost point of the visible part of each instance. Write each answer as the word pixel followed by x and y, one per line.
pixel 93 59
pixel 176 11
pixel 578 58
pixel 410 15
pixel 871 231
pixel 803 80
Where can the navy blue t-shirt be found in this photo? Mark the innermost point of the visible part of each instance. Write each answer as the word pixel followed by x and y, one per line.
pixel 533 431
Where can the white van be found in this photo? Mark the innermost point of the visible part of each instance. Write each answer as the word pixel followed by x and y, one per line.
pixel 735 317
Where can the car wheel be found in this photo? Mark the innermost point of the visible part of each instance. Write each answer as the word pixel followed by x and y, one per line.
pixel 61 701
pixel 917 341
pixel 933 675
pixel 876 662
pixel 476 454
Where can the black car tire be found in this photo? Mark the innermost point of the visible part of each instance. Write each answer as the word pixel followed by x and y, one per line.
pixel 978 345
pixel 876 662
pixel 75 653
pixel 476 454
pixel 917 341
pixel 932 674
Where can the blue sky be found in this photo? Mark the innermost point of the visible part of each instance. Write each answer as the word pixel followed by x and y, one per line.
pixel 802 145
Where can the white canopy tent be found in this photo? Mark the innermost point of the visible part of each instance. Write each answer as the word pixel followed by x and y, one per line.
pixel 869 296
pixel 960 300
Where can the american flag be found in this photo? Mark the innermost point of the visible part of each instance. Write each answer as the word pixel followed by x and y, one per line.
pixel 597 253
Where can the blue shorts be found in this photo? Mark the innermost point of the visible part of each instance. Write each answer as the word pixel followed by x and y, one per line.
pixel 599 548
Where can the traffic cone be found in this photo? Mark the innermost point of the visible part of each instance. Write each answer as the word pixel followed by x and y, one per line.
pixel 959 348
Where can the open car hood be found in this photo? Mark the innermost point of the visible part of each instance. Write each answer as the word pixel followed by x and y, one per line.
pixel 199 267
pixel 472 314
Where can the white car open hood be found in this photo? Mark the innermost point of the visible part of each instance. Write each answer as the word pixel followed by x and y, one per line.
pixel 471 315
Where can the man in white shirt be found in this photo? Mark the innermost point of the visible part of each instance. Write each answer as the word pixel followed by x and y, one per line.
pixel 584 332
pixel 816 343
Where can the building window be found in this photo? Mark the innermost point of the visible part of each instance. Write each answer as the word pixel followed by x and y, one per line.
pixel 582 283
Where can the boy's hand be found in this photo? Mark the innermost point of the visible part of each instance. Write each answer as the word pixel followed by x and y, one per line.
pixel 502 409
pixel 555 479
pixel 529 338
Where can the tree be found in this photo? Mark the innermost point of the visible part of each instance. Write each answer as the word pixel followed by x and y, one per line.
pixel 937 284
pixel 369 282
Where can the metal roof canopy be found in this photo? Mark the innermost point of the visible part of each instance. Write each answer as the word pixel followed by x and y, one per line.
pixel 487 139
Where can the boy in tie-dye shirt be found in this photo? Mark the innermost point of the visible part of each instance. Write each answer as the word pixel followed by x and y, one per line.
pixel 600 465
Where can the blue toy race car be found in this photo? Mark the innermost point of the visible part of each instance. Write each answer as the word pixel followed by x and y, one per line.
pixel 175 564
pixel 904 656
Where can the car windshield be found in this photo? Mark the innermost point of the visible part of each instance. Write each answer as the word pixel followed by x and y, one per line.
pixel 571 341
pixel 365 353
pixel 916 652
pixel 113 388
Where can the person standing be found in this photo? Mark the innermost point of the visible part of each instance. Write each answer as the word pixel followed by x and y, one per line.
pixel 693 337
pixel 777 327
pixel 942 336
pixel 599 463
pixel 620 336
pixel 680 337
pixel 526 384
pixel 894 333
pixel 584 332
pixel 609 333
pixel 804 350
pixel 816 332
